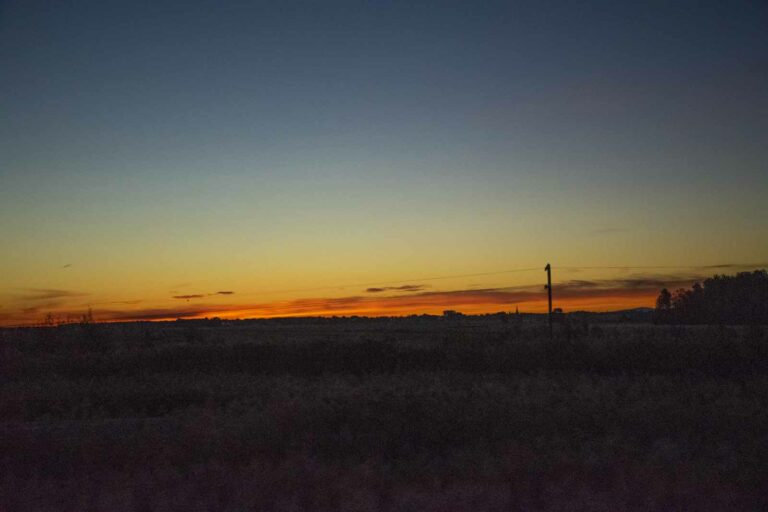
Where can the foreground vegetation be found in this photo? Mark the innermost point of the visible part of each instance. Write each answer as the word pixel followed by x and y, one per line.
pixel 408 414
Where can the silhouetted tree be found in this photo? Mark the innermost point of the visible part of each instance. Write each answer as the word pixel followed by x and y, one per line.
pixel 87 318
pixel 739 299
pixel 50 320
pixel 663 306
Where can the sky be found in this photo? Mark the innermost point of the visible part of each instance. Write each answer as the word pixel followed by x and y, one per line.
pixel 253 159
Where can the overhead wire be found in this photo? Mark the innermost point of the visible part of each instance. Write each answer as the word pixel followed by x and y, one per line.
pixel 497 272
pixel 400 281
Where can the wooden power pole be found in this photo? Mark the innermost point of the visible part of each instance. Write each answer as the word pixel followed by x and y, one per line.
pixel 548 269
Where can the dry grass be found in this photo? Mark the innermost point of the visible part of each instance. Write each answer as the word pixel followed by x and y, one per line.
pixel 413 414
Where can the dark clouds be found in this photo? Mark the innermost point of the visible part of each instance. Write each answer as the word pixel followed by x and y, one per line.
pixel 738 266
pixel 202 295
pixel 33 302
pixel 403 288
pixel 578 294
pixel 151 314
pixel 34 294
pixel 634 283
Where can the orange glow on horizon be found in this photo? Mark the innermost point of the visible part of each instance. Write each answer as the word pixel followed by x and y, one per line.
pixel 432 303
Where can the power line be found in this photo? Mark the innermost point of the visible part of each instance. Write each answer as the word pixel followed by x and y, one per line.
pixel 497 272
pixel 621 267
pixel 400 281
pixel 633 267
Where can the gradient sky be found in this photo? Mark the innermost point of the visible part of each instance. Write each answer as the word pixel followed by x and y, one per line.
pixel 298 154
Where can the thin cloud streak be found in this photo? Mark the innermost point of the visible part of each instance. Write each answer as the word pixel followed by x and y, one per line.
pixel 35 294
pixel 202 295
pixel 738 266
pixel 403 288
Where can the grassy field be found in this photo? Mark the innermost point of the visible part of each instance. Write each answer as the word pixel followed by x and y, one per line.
pixel 386 414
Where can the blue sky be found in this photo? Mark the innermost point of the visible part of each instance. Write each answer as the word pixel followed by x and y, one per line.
pixel 267 144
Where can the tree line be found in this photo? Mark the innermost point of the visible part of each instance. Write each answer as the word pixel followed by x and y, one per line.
pixel 722 299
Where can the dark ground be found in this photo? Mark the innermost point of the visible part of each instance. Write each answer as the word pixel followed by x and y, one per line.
pixel 388 414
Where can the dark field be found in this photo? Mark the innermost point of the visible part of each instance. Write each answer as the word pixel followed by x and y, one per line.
pixel 406 414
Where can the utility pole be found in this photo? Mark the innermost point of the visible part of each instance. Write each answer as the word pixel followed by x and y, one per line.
pixel 548 269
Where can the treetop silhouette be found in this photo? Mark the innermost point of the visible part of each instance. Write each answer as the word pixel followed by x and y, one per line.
pixel 738 299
